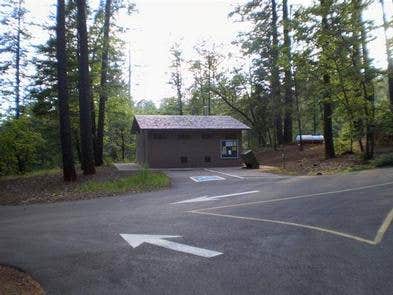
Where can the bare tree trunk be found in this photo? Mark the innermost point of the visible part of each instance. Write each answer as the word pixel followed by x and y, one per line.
pixel 368 91
pixel 299 117
pixel 209 62
pixel 327 104
pixel 103 85
pixel 123 147
pixel 93 120
pixel 327 123
pixel 77 144
pixel 275 79
pixel 388 56
pixel 179 100
pixel 69 173
pixel 129 73
pixel 314 116
pixel 358 63
pixel 84 93
pixel 288 79
pixel 369 106
pixel 17 63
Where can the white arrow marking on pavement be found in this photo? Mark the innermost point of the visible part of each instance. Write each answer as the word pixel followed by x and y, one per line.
pixel 213 198
pixel 160 240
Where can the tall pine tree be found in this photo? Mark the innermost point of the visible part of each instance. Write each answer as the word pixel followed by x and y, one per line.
pixel 86 136
pixel 69 173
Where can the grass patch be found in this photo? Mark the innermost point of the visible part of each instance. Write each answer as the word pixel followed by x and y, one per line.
pixel 144 180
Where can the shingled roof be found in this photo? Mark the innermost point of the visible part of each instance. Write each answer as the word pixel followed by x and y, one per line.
pixel 173 122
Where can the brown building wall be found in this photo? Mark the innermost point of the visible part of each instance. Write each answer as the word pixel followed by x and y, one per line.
pixel 164 149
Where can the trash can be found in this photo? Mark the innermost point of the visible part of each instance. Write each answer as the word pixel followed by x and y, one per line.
pixel 249 159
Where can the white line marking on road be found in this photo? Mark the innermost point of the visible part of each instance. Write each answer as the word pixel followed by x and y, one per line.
pixel 376 241
pixel 213 198
pixel 322 194
pixel 203 178
pixel 160 240
pixel 227 174
pixel 292 224
pixel 378 238
pixel 384 227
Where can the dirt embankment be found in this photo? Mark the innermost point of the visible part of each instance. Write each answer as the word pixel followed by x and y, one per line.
pixel 310 161
pixel 13 281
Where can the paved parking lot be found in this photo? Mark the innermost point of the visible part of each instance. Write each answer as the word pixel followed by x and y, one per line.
pixel 241 233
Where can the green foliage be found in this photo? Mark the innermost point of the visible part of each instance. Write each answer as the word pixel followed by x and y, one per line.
pixel 141 181
pixel 344 142
pixel 119 144
pixel 169 106
pixel 145 107
pixel 384 160
pixel 19 146
pixel 384 123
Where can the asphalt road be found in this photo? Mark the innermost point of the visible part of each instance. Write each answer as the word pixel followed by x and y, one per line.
pixel 296 235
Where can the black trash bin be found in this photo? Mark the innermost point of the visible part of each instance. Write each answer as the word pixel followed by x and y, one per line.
pixel 249 159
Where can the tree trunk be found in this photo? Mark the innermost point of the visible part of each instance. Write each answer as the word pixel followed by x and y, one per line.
pixel 314 116
pixel 327 123
pixel 69 173
pixel 209 62
pixel 103 87
pixel 288 79
pixel 93 120
pixel 275 77
pixel 129 73
pixel 369 96
pixel 368 90
pixel 84 92
pixel 17 63
pixel 327 104
pixel 299 117
pixel 361 68
pixel 388 56
pixel 77 145
pixel 123 147
pixel 179 100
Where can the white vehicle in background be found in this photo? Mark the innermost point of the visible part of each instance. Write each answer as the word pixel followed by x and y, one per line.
pixel 309 138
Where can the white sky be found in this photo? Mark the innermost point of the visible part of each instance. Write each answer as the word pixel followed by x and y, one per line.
pixel 160 23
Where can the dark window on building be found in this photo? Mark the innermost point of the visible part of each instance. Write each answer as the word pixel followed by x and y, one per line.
pixel 206 136
pixel 184 136
pixel 229 149
pixel 183 160
pixel 207 159
pixel 159 136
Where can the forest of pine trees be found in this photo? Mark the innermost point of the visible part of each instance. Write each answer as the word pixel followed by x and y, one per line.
pixel 306 70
